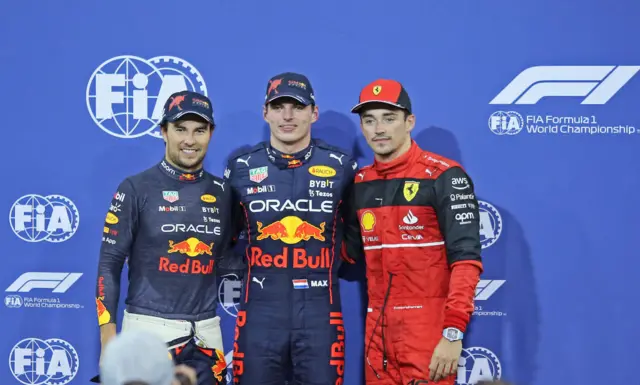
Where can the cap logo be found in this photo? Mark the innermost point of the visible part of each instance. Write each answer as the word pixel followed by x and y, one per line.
pixel 200 102
pixel 273 85
pixel 377 90
pixel 175 102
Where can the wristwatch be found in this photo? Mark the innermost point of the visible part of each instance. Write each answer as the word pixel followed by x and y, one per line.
pixel 452 334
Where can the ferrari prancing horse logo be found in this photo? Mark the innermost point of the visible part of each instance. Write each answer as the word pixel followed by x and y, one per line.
pixel 410 190
pixel 377 90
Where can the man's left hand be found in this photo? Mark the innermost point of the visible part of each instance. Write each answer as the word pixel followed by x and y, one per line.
pixel 444 361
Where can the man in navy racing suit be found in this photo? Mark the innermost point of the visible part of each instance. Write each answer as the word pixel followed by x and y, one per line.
pixel 170 223
pixel 290 195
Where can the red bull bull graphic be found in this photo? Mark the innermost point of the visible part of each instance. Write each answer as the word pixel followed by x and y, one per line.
pixel 192 247
pixel 291 230
pixel 219 369
pixel 299 258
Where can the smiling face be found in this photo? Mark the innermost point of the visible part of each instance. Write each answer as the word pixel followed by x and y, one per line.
pixel 387 130
pixel 290 123
pixel 187 141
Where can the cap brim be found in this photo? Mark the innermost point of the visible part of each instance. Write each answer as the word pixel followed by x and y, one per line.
pixel 299 98
pixel 187 112
pixel 359 106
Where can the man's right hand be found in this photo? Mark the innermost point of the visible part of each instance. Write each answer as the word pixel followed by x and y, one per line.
pixel 107 332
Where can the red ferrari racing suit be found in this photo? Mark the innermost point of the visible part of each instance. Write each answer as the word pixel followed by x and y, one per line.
pixel 418 225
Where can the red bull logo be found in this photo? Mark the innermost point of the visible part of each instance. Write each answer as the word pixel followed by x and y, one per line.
pixel 294 163
pixel 191 247
pixel 187 177
pixel 220 367
pixel 337 347
pixel 299 258
pixel 291 230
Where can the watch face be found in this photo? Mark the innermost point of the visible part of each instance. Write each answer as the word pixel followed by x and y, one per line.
pixel 452 333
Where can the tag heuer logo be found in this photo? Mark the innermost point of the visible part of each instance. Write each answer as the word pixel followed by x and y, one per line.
pixel 258 174
pixel 170 196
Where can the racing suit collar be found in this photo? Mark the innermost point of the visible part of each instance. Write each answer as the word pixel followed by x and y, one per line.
pixel 178 174
pixel 283 160
pixel 401 163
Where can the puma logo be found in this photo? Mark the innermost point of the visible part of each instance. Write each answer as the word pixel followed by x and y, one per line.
pixel 336 157
pixel 259 282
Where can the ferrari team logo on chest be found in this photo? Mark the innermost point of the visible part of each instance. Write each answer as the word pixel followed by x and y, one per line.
pixel 410 190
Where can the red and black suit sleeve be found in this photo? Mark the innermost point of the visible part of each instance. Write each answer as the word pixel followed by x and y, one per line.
pixel 118 235
pixel 459 221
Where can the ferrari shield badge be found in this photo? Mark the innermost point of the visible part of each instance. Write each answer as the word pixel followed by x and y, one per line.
pixel 410 190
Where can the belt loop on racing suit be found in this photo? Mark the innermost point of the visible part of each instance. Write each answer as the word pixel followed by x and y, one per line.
pixel 184 339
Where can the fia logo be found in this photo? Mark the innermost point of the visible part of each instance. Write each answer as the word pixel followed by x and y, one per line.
pixel 126 94
pixel 229 292
pixel 42 362
pixel 37 218
pixel 490 224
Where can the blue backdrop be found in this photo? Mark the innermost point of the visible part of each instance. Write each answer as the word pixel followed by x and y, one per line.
pixel 537 99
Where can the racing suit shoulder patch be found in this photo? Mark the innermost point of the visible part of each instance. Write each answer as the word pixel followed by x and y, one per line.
pixel 244 151
pixel 329 147
pixel 434 165
pixel 365 174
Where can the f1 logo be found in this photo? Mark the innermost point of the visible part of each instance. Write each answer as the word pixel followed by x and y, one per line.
pixel 597 83
pixel 487 287
pixel 59 282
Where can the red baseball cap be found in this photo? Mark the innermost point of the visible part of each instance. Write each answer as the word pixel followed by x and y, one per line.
pixel 384 91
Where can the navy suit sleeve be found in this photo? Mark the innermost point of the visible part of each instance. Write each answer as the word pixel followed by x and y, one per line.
pixel 118 235
pixel 352 244
pixel 232 260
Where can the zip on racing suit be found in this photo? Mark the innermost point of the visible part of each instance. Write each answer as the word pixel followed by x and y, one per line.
pixel 416 220
pixel 290 318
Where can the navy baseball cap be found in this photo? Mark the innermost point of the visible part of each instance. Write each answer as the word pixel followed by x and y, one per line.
pixel 187 102
pixel 292 85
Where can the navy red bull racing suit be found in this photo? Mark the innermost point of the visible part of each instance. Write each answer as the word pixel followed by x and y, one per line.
pixel 417 222
pixel 171 228
pixel 290 319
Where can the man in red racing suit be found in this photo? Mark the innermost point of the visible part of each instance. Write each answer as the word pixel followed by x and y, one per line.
pixel 416 220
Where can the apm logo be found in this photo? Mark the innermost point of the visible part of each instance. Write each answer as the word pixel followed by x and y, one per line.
pixel 37 218
pixel 598 84
pixel 126 94
pixel 33 361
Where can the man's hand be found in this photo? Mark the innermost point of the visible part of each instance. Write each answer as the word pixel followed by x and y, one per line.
pixel 444 361
pixel 107 332
pixel 186 371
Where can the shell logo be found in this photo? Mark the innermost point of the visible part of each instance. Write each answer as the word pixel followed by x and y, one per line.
pixel 368 221
pixel 322 171
pixel 111 219
pixel 207 198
